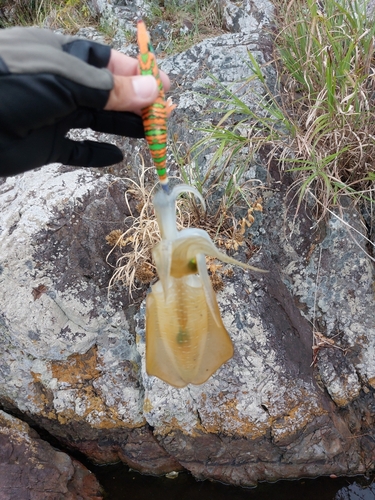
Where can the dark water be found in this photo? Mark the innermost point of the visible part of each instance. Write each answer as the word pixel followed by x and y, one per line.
pixel 120 483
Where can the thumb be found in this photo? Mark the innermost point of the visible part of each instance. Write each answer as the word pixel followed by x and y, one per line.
pixel 132 93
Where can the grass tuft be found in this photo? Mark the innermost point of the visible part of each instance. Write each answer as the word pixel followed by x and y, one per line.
pixel 69 15
pixel 190 22
pixel 321 127
pixel 135 243
pixel 232 145
pixel 326 63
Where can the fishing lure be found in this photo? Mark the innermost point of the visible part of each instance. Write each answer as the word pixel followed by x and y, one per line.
pixel 154 116
pixel 186 340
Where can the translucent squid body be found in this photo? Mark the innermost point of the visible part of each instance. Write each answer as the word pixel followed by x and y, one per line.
pixel 186 341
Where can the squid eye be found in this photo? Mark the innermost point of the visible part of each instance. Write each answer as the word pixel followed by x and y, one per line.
pixel 192 265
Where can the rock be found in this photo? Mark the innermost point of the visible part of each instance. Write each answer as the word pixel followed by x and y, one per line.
pixel 31 469
pixel 336 287
pixel 72 356
pixel 248 18
pixel 68 356
pixel 91 34
pixel 118 18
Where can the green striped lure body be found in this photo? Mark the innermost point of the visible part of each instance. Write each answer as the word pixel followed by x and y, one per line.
pixel 154 116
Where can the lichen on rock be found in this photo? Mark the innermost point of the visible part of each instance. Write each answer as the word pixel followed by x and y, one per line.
pixel 72 357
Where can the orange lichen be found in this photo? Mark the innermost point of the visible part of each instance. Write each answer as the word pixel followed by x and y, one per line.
pixel 36 376
pixel 174 425
pixel 298 410
pixel 228 421
pixel 147 405
pixel 77 368
pixel 221 414
pixel 76 374
pixel 94 410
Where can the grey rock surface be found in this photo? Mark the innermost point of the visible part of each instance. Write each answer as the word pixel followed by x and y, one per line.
pixel 72 357
pixel 67 351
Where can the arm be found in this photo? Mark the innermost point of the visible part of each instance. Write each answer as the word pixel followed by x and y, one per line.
pixel 50 83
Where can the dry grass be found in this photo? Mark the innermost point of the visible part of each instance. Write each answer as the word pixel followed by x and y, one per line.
pixel 135 243
pixel 134 267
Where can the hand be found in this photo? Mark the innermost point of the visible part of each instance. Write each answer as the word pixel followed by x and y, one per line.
pixel 130 92
pixel 51 83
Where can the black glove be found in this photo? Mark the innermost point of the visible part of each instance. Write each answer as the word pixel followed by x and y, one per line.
pixel 50 83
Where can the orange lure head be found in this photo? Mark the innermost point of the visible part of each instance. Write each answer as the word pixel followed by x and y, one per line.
pixel 142 37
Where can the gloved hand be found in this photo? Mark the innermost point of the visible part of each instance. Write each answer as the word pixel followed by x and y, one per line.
pixel 50 83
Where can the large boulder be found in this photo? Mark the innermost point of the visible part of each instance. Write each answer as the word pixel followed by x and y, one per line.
pixel 72 354
pixel 67 350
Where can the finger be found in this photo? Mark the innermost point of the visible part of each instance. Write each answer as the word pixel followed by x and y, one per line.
pixel 122 65
pixel 89 154
pixel 132 93
pixel 110 122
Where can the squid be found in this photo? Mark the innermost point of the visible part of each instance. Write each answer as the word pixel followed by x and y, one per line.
pixel 186 340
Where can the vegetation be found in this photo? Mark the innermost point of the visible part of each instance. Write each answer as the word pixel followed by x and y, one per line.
pixel 325 110
pixel 190 22
pixel 328 62
pixel 69 15
pixel 236 139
